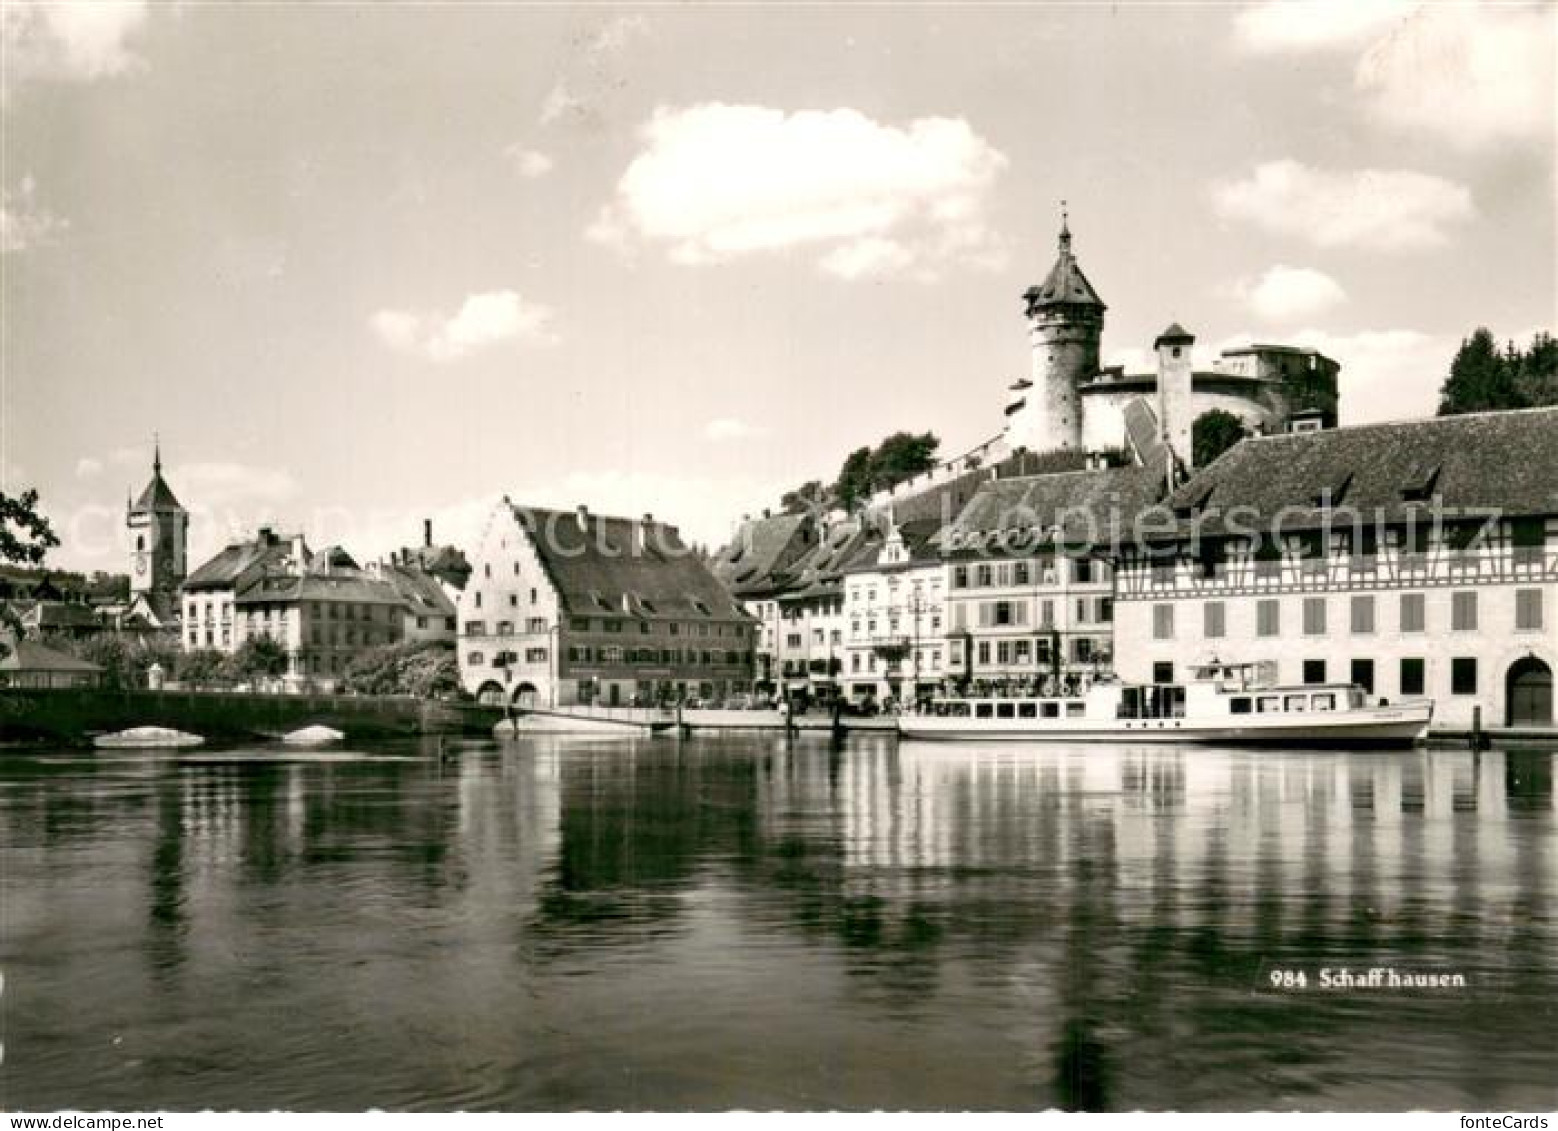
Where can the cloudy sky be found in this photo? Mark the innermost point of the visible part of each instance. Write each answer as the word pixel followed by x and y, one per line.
pixel 357 265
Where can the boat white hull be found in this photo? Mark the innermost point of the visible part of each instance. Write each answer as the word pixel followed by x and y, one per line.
pixel 1375 726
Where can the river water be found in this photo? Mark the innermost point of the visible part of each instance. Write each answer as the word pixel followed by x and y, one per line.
pixel 758 923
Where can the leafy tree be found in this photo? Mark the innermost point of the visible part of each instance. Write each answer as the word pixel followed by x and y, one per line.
pixel 854 482
pixel 258 657
pixel 25 534
pixel 1213 433
pixel 809 496
pixel 423 669
pixel 201 667
pixel 901 456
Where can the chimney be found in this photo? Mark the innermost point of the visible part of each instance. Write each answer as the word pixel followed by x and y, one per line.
pixel 767 513
pixel 584 517
pixel 427 533
pixel 299 554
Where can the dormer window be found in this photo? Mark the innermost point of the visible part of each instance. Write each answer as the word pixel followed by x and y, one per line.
pixel 1332 495
pixel 1420 483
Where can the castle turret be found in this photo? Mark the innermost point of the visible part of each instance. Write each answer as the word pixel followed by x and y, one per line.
pixel 1065 323
pixel 1175 392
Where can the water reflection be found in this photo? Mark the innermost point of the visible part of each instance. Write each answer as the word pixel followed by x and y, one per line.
pixel 763 922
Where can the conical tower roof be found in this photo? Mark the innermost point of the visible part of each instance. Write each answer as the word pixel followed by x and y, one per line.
pixel 157 496
pixel 1065 285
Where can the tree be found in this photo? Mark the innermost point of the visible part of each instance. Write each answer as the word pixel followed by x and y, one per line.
pixel 258 657
pixel 125 660
pixel 25 534
pixel 808 497
pixel 901 456
pixel 201 667
pixel 854 481
pixel 1481 378
pixel 1213 433
pixel 423 669
pixel 1536 377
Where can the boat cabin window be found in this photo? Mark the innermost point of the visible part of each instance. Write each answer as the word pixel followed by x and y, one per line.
pixel 1051 710
pixel 1005 710
pixel 1296 703
pixel 1073 710
pixel 959 710
pixel 1269 704
pixel 1324 702
pixel 1027 710
pixel 983 710
pixel 1239 706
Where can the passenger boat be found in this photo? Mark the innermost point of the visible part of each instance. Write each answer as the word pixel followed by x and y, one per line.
pixel 1226 704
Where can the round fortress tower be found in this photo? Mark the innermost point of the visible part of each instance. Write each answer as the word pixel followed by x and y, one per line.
pixel 1065 322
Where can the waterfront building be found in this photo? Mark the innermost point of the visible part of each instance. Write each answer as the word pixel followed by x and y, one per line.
pixel 757 567
pixel 811 624
pixel 1414 559
pixel 1030 576
pixel 210 593
pixel 569 607
pixel 30 664
pixel 321 607
pixel 429 579
pixel 158 531
pixel 895 606
pixel 325 614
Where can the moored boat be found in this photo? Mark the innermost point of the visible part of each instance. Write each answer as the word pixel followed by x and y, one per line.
pixel 1222 703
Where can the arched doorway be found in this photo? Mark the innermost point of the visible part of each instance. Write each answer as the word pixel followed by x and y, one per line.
pixel 525 696
pixel 490 694
pixel 1528 689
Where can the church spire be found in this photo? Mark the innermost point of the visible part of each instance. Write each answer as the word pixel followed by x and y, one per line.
pixel 1065 231
pixel 156 458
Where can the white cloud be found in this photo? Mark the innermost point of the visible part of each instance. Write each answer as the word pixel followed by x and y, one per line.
pixel 87 467
pixel 1386 374
pixel 68 41
pixel 716 181
pixel 728 428
pixel 1291 294
pixel 1383 210
pixel 24 223
pixel 529 163
pixel 483 320
pixel 1473 75
pixel 1304 25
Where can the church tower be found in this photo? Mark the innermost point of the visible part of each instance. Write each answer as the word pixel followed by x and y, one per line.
pixel 1065 323
pixel 159 530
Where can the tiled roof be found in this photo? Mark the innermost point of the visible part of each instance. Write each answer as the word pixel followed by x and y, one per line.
pixel 762 552
pixel 1482 462
pixel 1065 284
pixel 157 496
pixel 1174 333
pixel 358 588
pixel 30 656
pixel 1091 508
pixel 601 569
pixel 61 615
pixel 419 589
pixel 229 566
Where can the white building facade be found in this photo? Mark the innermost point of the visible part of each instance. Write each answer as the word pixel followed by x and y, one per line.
pixel 1414 559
